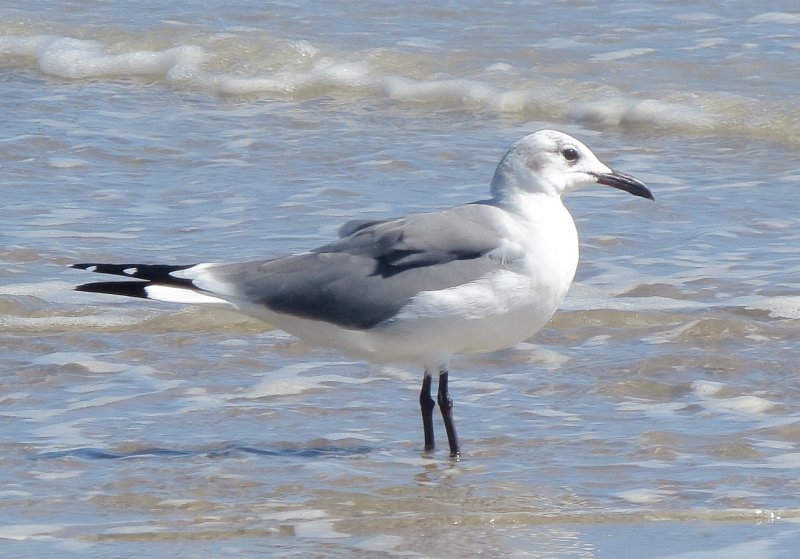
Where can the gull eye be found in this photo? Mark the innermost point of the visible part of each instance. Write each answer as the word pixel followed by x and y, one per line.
pixel 569 153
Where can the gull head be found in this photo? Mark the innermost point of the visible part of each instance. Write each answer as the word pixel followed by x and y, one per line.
pixel 552 163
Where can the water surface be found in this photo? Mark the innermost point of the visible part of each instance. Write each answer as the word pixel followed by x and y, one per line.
pixel 656 416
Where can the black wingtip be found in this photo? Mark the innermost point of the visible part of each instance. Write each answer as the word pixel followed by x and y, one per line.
pixel 159 273
pixel 124 288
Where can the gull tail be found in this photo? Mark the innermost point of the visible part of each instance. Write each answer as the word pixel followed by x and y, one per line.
pixel 153 281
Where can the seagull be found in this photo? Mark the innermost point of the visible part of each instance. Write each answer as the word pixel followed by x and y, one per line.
pixel 474 278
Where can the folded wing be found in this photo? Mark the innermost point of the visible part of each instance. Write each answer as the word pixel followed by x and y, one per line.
pixel 357 281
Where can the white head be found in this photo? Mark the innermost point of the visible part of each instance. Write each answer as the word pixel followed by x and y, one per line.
pixel 551 163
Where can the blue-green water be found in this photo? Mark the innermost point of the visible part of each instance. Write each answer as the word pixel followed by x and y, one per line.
pixel 655 417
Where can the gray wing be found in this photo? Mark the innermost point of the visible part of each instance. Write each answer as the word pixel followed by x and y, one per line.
pixel 355 225
pixel 367 276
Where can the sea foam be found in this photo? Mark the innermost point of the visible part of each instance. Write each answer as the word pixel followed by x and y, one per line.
pixel 70 58
pixel 297 70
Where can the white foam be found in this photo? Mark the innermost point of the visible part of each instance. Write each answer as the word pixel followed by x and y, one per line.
pixel 55 476
pixel 644 496
pixel 39 325
pixel 744 405
pixel 605 290
pixel 66 57
pixel 551 413
pixel 657 410
pixel 321 79
pixel 290 380
pixel 22 532
pixel 776 17
pixel 708 392
pixel 453 91
pixel 778 307
pixel 76 58
pixel 66 162
pixel 627 111
pixel 706 43
pixel 318 529
pixel 91 363
pixel 707 387
pixel 789 460
pixel 64 434
pixel 100 401
pixel 653 111
pixel 300 70
pixel 60 234
pixel 544 357
pixel 669 334
pixel 622 54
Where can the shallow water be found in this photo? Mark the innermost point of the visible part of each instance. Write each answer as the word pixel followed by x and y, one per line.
pixel 656 416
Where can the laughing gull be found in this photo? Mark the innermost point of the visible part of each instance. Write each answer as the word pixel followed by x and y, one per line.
pixel 474 278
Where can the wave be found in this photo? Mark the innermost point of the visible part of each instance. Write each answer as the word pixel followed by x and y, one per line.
pixel 253 64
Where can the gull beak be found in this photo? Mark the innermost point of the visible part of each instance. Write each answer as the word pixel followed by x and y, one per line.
pixel 624 181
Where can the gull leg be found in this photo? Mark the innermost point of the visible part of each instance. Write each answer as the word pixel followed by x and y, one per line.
pixel 446 405
pixel 427 404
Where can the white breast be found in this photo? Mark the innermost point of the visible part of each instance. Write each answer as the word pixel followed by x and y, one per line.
pixel 540 256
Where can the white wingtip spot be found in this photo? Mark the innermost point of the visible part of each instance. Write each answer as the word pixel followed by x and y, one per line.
pixel 191 273
pixel 131 271
pixel 91 269
pixel 202 276
pixel 181 295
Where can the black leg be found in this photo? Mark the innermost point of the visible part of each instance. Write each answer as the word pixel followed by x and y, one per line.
pixel 427 404
pixel 446 405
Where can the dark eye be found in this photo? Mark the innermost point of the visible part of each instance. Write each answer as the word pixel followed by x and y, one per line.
pixel 569 153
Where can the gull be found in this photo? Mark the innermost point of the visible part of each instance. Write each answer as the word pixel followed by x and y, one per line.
pixel 478 277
